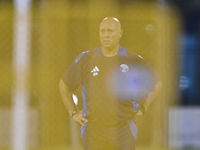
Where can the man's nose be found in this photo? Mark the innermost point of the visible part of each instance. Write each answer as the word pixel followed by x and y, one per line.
pixel 106 34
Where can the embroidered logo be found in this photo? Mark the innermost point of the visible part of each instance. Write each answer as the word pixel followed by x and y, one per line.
pixel 124 68
pixel 95 71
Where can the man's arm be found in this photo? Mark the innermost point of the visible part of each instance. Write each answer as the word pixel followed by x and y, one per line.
pixel 151 97
pixel 66 95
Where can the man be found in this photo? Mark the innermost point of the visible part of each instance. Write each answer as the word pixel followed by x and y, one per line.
pixel 112 78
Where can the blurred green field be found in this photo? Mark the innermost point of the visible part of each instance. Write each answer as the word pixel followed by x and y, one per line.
pixel 137 148
pixel 80 148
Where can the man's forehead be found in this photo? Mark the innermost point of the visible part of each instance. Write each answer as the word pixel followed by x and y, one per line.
pixel 109 23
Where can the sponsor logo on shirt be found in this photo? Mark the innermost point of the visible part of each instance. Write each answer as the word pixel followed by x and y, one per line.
pixel 95 71
pixel 124 68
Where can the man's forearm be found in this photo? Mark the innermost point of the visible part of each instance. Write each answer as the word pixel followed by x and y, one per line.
pixel 66 95
pixel 152 95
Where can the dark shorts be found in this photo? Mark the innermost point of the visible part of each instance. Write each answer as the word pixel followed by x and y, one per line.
pixel 96 137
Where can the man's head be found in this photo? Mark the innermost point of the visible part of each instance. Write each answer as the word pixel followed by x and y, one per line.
pixel 110 32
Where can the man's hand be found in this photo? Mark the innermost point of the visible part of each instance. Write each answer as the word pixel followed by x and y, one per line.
pixel 79 118
pixel 150 97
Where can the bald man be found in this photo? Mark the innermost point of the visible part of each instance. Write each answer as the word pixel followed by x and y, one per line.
pixel 111 77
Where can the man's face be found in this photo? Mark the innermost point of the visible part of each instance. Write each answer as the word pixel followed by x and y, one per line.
pixel 110 33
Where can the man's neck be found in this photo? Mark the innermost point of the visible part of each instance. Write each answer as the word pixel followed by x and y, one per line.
pixel 110 52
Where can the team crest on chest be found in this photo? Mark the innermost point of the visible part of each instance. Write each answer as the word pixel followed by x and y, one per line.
pixel 95 71
pixel 124 68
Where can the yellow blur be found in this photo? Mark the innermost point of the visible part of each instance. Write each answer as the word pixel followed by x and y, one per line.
pixel 60 31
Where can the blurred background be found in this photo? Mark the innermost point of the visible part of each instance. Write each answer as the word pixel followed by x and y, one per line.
pixel 39 39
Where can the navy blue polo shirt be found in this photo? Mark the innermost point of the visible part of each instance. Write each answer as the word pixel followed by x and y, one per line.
pixel 112 87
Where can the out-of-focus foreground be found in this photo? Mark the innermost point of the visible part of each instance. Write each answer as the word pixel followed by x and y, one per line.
pixel 38 44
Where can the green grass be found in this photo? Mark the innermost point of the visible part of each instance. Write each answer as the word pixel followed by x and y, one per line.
pixel 80 148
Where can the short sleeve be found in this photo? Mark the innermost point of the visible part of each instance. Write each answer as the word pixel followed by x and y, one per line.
pixel 73 77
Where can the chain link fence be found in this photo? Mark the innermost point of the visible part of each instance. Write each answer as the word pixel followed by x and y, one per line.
pixel 60 31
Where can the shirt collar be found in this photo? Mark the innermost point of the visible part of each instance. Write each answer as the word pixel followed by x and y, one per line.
pixel 121 52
